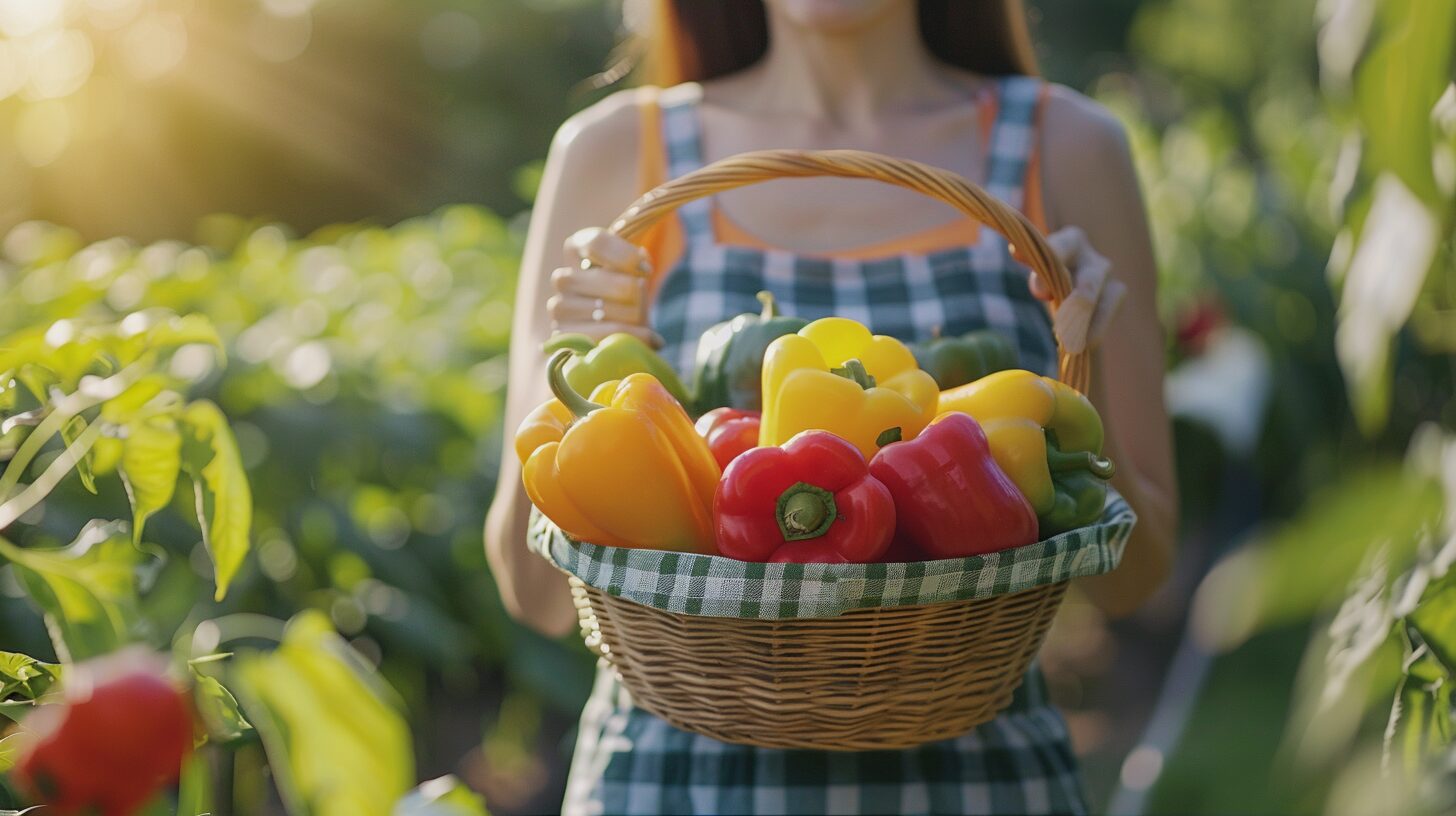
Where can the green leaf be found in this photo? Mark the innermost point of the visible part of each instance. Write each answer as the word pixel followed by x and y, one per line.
pixel 86 590
pixel 160 329
pixel 194 789
pixel 70 432
pixel 1420 718
pixel 1397 86
pixel 333 732
pixel 1304 565
pixel 445 796
pixel 10 750
pixel 1434 618
pixel 151 459
pixel 224 499
pixel 25 677
pixel 218 709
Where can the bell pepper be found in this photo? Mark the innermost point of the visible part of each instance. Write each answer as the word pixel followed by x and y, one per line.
pixel 549 420
pixel 833 375
pixel 729 369
pixel 631 473
pixel 1079 482
pixel 951 498
pixel 616 356
pixel 729 432
pixel 954 361
pixel 812 501
pixel 1047 437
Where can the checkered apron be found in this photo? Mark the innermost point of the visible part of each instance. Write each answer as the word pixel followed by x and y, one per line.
pixel 628 761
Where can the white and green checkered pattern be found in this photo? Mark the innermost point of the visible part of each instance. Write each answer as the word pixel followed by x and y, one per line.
pixel 719 587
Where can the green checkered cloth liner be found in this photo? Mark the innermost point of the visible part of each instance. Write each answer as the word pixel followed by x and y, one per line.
pixel 718 587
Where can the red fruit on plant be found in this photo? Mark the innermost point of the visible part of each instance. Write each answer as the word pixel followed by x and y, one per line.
pixel 729 432
pixel 117 736
pixel 812 501
pixel 951 498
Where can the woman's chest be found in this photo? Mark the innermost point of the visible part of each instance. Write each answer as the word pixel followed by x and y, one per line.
pixel 910 297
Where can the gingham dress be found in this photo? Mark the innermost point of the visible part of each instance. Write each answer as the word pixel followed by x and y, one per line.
pixel 630 762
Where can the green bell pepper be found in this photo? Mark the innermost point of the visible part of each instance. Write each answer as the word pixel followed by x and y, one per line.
pixel 730 357
pixel 954 361
pixel 614 358
pixel 1079 482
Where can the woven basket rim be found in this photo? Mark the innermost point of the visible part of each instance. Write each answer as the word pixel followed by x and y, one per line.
pixel 716 586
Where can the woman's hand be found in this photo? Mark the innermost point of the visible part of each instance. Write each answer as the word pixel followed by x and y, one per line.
pixel 1083 318
pixel 602 289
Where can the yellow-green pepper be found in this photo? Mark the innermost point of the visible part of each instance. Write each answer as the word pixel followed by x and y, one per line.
pixel 1047 437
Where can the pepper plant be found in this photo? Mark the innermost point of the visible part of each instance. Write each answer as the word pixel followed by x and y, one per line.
pixel 97 400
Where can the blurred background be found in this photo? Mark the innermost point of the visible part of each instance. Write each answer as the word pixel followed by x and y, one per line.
pixel 342 186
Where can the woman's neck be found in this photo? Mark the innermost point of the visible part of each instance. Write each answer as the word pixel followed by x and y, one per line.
pixel 852 77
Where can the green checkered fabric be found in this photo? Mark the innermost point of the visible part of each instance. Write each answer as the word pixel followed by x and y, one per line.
pixel 719 587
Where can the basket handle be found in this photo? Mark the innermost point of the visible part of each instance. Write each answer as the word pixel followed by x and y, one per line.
pixel 767 165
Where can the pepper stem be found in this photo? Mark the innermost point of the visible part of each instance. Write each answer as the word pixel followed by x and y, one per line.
pixel 853 369
pixel 770 306
pixel 579 343
pixel 578 405
pixel 1060 461
pixel 805 511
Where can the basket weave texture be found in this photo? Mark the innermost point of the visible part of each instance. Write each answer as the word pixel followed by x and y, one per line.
pixel 838 657
pixel 832 656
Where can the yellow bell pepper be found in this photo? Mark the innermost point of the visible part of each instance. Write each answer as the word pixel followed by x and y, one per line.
pixel 833 375
pixel 549 421
pixel 630 471
pixel 1017 409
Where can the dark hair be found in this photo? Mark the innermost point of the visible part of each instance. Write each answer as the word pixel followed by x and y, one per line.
pixel 693 40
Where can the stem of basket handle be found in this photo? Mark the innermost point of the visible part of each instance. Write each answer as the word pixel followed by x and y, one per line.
pixel 767 165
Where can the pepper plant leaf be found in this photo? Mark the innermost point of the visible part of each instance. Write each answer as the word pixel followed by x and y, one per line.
pixel 224 499
pixel 218 709
pixel 333 731
pixel 70 432
pixel 23 677
pixel 86 590
pixel 151 460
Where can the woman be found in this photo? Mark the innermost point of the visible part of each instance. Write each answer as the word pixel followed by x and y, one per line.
pixel 946 82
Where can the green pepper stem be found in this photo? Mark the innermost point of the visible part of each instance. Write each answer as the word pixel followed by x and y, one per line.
pixel 854 370
pixel 770 306
pixel 1059 462
pixel 579 343
pixel 805 511
pixel 578 405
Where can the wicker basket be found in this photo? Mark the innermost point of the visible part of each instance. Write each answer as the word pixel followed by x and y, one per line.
pixel 869 678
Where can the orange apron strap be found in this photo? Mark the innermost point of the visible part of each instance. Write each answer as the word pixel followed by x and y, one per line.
pixel 1031 187
pixel 664 242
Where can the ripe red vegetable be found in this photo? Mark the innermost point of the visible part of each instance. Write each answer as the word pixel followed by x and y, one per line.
pixel 951 498
pixel 116 738
pixel 729 432
pixel 811 501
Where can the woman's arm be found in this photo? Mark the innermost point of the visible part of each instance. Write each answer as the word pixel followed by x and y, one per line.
pixel 1089 182
pixel 590 177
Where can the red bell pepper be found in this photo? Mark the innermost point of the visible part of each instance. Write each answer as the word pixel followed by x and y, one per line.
pixel 951 498
pixel 729 432
pixel 811 501
pixel 117 736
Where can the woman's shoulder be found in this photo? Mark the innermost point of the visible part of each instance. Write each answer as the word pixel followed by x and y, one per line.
pixel 1080 128
pixel 606 129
